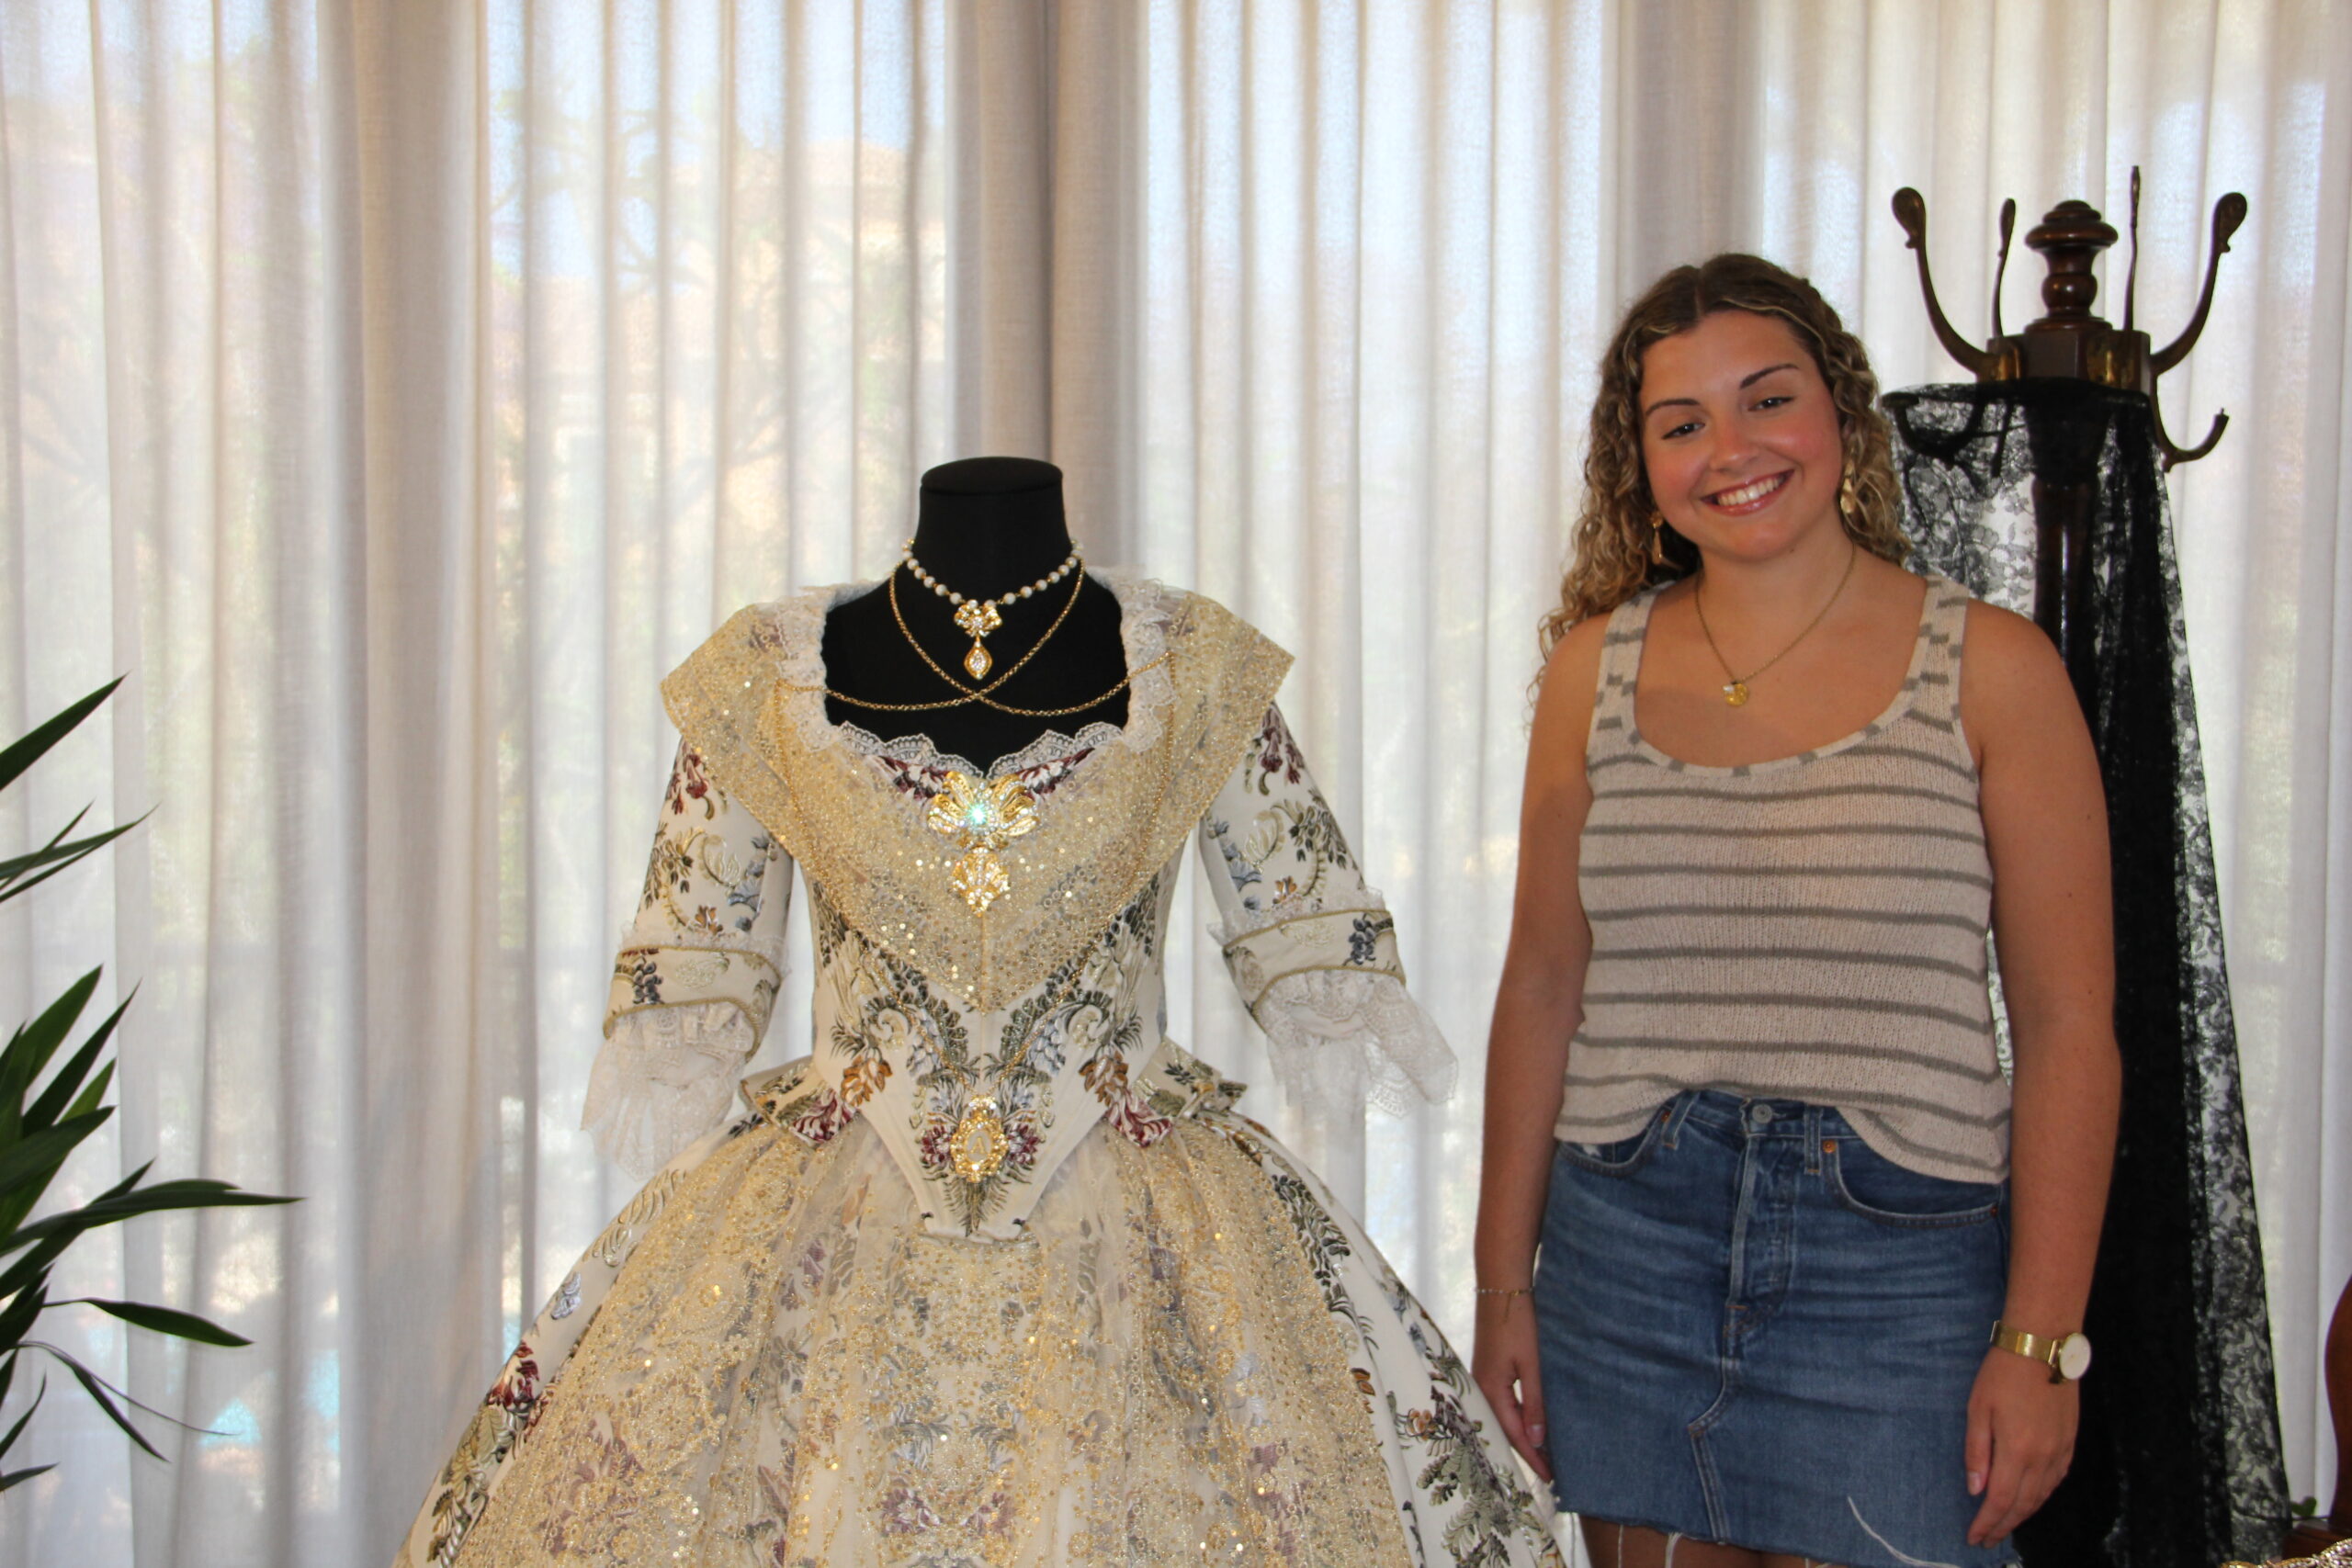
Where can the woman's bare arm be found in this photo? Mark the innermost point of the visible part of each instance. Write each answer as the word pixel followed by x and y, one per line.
pixel 1537 1009
pixel 2045 829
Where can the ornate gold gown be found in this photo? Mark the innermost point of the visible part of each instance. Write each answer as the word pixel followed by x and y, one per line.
pixel 997 1275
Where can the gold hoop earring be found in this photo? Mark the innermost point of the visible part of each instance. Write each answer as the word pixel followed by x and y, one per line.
pixel 1850 502
pixel 1657 538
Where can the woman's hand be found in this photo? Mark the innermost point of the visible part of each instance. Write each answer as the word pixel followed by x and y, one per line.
pixel 2021 1440
pixel 1503 1360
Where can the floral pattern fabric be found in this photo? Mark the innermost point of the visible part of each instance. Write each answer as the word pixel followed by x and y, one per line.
pixel 1146 1336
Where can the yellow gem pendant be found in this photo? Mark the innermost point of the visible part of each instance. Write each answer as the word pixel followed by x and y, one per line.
pixel 978 1145
pixel 978 617
pixel 1736 694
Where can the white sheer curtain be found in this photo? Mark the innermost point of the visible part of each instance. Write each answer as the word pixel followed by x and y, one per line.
pixel 396 389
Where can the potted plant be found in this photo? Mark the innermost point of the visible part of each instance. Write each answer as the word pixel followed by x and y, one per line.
pixel 41 1123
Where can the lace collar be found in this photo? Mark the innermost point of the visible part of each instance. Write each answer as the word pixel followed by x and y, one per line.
pixel 1144 612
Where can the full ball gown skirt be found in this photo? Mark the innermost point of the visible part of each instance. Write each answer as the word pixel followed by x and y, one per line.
pixel 1144 1333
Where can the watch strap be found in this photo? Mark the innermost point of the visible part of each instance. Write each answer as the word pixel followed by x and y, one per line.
pixel 2033 1347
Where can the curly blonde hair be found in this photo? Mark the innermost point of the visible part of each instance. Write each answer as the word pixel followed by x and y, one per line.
pixel 1612 536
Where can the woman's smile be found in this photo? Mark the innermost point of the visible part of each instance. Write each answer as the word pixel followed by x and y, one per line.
pixel 1752 496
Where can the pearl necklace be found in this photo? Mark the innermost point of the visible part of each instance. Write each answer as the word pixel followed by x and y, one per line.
pixel 978 617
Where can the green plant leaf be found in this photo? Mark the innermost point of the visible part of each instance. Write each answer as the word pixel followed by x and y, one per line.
pixel 66 1082
pixel 33 1264
pixel 30 1269
pixel 10 1478
pixel 18 1430
pixel 35 743
pixel 35 1157
pixel 17 1318
pixel 35 1043
pixel 164 1320
pixel 122 1395
pixel 88 1100
pixel 96 1387
pixel 42 856
pixel 53 858
pixel 186 1193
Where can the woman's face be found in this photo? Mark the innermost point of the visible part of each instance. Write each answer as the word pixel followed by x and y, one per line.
pixel 1739 437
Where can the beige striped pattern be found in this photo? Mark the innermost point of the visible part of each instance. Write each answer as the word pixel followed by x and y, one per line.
pixel 1811 928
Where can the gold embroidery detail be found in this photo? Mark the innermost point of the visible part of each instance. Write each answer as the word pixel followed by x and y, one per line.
pixel 612 1247
pixel 789 1373
pixel 981 817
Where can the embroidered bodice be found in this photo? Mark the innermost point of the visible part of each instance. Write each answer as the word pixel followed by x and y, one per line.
pixel 989 943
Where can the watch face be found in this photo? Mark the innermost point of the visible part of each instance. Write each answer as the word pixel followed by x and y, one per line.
pixel 2073 1357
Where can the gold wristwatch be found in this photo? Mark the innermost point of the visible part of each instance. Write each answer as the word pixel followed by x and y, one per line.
pixel 2068 1357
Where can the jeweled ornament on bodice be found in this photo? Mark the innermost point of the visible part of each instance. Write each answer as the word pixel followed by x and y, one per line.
pixel 978 1145
pixel 981 817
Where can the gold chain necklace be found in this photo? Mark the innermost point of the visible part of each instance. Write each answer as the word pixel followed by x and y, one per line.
pixel 981 696
pixel 978 617
pixel 1735 686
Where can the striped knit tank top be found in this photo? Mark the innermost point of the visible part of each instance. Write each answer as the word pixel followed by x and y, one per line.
pixel 1811 928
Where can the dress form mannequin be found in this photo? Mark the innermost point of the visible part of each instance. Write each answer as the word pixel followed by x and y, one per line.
pixel 986 526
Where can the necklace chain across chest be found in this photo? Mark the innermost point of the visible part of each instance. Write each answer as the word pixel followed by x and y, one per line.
pixel 978 617
pixel 1735 686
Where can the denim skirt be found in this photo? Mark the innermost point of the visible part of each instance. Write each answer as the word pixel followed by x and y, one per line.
pixel 1756 1329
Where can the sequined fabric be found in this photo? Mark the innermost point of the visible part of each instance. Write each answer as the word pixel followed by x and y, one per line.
pixel 1196 1356
pixel 1145 1334
pixel 750 702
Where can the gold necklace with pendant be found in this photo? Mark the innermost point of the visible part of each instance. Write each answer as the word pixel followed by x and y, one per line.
pixel 1735 686
pixel 978 617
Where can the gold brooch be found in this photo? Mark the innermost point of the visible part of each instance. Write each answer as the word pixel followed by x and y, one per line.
pixel 981 817
pixel 978 1145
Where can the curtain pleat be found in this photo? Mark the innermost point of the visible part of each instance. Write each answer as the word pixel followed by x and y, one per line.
pixel 395 391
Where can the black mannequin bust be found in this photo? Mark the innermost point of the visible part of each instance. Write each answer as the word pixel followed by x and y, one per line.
pixel 985 526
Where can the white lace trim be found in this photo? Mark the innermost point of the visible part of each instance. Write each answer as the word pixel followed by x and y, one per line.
pixel 1340 1039
pixel 1143 615
pixel 665 1079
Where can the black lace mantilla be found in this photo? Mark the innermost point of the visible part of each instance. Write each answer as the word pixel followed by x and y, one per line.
pixel 2178 1463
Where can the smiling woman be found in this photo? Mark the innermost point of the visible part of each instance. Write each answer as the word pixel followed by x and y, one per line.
pixel 1743 1090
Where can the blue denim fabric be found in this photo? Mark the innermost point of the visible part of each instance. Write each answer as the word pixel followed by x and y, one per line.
pixel 1757 1329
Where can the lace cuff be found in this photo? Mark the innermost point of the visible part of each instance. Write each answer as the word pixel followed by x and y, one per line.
pixel 1328 989
pixel 1343 1038
pixel 665 1079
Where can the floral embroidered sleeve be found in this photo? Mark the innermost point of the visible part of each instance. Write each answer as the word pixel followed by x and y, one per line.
pixel 696 977
pixel 1312 949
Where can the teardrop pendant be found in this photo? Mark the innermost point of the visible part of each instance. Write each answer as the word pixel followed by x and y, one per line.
pixel 978 662
pixel 1736 694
